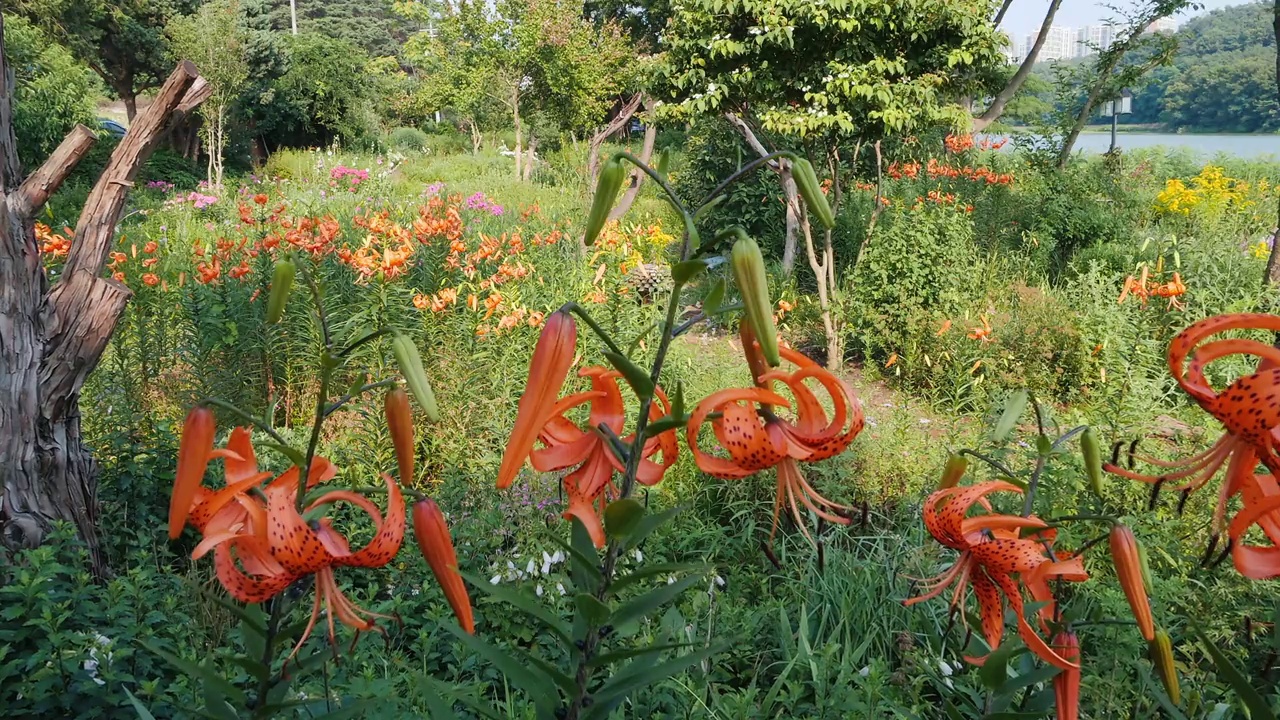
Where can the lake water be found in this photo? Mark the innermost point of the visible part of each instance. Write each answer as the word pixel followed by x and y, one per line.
pixel 1245 146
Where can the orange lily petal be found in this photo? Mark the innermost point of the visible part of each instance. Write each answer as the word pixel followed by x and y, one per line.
pixel 193 458
pixel 552 358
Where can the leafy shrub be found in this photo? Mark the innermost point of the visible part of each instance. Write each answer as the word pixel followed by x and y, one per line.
pixel 406 138
pixel 52 94
pixel 323 96
pixel 915 263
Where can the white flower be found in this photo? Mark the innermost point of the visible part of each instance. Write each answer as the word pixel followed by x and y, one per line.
pixel 671 579
pixel 560 587
pixel 719 581
pixel 538 590
pixel 495 579
pixel 925 421
pixel 865 671
pixel 531 568
pixel 639 556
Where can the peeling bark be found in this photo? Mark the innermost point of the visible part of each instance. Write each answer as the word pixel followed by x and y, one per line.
pixel 51 339
pixel 618 122
pixel 637 177
pixel 790 193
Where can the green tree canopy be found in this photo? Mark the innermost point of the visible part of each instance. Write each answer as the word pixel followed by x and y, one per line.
pixel 123 41
pixel 53 91
pixel 854 68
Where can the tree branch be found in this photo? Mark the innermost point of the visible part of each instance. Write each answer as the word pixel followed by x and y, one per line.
pixel 993 113
pixel 106 202
pixel 617 123
pixel 10 166
pixel 36 189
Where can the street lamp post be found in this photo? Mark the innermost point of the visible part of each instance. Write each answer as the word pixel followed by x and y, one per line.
pixel 1122 105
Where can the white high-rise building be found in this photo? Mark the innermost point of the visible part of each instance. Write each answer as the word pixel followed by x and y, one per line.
pixel 1091 39
pixel 1059 44
pixel 1163 25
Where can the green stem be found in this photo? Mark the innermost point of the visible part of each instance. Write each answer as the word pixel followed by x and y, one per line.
pixel 337 404
pixel 256 422
pixel 322 397
pixel 366 339
pixel 741 173
pixel 990 461
pixel 581 312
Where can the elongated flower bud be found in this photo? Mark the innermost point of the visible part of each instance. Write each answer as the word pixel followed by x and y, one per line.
pixel 415 376
pixel 607 187
pixel 753 283
pixel 956 466
pixel 281 283
pixel 193 458
pixel 807 183
pixel 552 358
pixel 1162 657
pixel 1066 684
pixel 433 538
pixel 1092 452
pixel 400 423
pixel 1128 562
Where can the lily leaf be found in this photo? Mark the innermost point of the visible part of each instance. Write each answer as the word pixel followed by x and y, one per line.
pixel 522 602
pixel 620 655
pixel 648 571
pixel 294 456
pixel 715 296
pixel 642 673
pixel 652 600
pixel 211 679
pixel 1014 406
pixel 535 683
pixel 138 707
pixel 664 424
pixel 1258 707
pixel 994 673
pixel 649 523
pixel 683 272
pixel 622 516
pixel 635 376
pixel 596 612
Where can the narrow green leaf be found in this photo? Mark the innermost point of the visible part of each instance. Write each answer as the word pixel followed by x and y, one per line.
pixel 583 569
pixel 635 375
pixel 1173 712
pixel 255 620
pixel 641 673
pixel 715 296
pixel 1042 674
pixel 652 600
pixel 620 655
pixel 683 272
pixel 520 601
pixel 649 571
pixel 995 671
pixel 535 683
pixel 563 681
pixel 596 612
pixel 1014 406
pixel 665 423
pixel 294 456
pixel 138 707
pixel 622 516
pixel 207 675
pixel 438 708
pixel 1258 707
pixel 255 668
pixel 651 522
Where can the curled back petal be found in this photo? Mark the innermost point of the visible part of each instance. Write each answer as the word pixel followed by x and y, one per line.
pixel 716 402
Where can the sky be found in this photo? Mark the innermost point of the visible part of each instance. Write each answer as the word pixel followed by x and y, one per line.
pixel 1025 16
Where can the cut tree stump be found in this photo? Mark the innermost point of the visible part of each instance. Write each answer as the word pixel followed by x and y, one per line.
pixel 51 338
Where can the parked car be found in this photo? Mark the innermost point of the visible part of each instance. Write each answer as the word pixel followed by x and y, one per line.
pixel 112 128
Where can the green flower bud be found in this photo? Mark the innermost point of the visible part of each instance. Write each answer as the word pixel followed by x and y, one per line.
pixel 415 376
pixel 811 190
pixel 281 283
pixel 753 283
pixel 607 187
pixel 1092 453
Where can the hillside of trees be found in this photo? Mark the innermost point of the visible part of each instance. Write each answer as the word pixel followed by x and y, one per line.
pixel 1222 78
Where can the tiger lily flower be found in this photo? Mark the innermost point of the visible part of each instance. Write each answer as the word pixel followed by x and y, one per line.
pixel 566 445
pixel 993 549
pixel 262 544
pixel 1249 410
pixel 755 437
pixel 552 358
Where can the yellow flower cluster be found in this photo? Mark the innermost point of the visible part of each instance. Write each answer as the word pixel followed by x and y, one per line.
pixel 1212 192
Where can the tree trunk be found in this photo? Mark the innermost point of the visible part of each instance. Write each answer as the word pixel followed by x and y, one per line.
pixel 637 177
pixel 618 122
pixel 1011 88
pixel 515 112
pixel 130 105
pixel 1272 276
pixel 790 194
pixel 1081 119
pixel 1004 8
pixel 51 339
pixel 529 160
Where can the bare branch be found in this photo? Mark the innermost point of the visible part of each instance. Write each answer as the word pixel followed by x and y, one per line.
pixel 45 181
